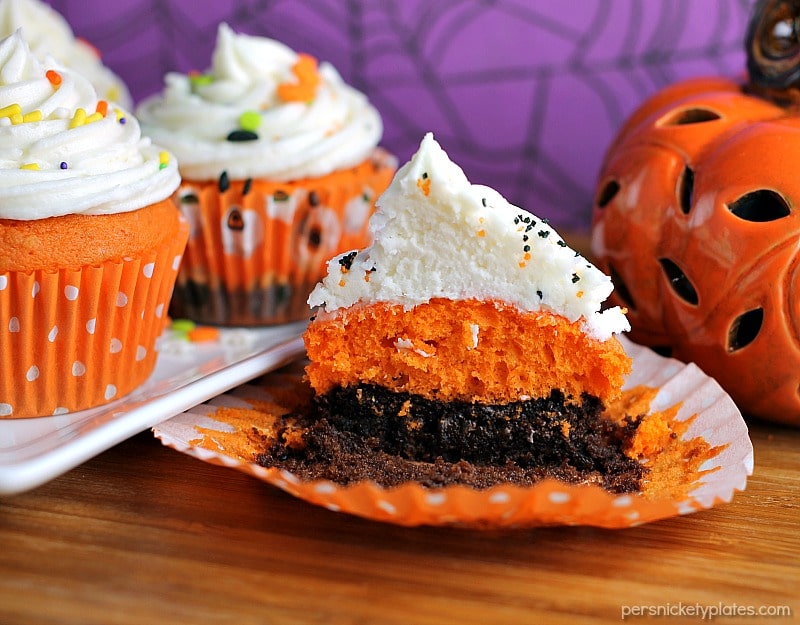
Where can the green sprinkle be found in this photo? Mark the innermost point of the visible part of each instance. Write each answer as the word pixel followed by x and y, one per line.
pixel 250 120
pixel 200 80
pixel 183 325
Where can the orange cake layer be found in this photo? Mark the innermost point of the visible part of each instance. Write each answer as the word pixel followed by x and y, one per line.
pixel 77 240
pixel 468 350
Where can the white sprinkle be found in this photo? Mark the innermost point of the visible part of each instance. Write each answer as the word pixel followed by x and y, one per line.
pixel 386 506
pixel 499 497
pixel 325 488
pixel 436 499
pixel 622 501
pixel 559 497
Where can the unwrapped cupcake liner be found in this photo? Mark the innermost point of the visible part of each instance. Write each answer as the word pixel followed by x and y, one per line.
pixel 695 404
pixel 81 337
pixel 257 248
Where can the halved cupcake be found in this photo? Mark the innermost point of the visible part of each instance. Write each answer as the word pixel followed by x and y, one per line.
pixel 469 332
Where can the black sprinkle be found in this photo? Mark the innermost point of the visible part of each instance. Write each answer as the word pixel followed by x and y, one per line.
pixel 539 293
pixel 516 220
pixel 575 278
pixel 543 233
pixel 483 201
pixel 280 195
pixel 313 198
pixel 247 184
pixel 64 165
pixel 424 175
pixel 577 254
pixel 224 182
pixel 242 135
pixel 562 244
pixel 526 248
pixel 524 237
pixel 529 227
pixel 346 261
pixel 545 221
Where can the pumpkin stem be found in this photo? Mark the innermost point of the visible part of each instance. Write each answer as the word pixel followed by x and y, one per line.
pixel 772 44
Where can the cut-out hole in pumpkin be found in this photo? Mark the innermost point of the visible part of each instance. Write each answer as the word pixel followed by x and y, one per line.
pixel 744 329
pixel 689 116
pixel 760 206
pixel 621 288
pixel 607 193
pixel 679 282
pixel 686 189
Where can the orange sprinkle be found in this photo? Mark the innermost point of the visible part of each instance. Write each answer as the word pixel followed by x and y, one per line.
pixel 579 294
pixel 481 233
pixel 54 77
pixel 304 88
pixel 527 256
pixel 522 263
pixel 425 185
pixel 342 283
pixel 102 107
pixel 202 334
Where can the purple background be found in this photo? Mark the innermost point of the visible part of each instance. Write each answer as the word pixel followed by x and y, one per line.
pixel 524 94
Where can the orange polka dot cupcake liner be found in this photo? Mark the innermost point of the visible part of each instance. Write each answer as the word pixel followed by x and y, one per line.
pixel 81 337
pixel 703 466
pixel 257 248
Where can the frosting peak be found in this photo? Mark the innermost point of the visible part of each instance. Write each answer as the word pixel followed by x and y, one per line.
pixel 437 235
pixel 63 150
pixel 48 33
pixel 261 111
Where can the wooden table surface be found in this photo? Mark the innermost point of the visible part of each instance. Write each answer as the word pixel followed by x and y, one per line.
pixel 144 534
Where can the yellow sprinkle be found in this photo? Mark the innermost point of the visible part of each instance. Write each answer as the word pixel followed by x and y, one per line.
pixel 11 109
pixel 33 116
pixel 34 166
pixel 163 158
pixel 579 294
pixel 16 118
pixel 94 117
pixel 119 114
pixel 79 119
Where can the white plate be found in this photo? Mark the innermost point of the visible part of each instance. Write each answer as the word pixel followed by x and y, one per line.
pixel 33 451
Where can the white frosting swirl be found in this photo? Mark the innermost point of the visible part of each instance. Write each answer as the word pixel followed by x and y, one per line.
pixel 194 116
pixel 438 236
pixel 48 33
pixel 52 162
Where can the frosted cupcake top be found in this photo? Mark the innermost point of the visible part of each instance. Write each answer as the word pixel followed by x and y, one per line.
pixel 438 236
pixel 48 33
pixel 63 150
pixel 261 111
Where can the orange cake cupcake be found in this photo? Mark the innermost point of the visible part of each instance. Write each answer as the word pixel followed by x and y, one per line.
pixel 280 169
pixel 465 344
pixel 90 241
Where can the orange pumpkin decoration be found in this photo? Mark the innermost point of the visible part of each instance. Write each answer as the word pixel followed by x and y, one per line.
pixel 697 220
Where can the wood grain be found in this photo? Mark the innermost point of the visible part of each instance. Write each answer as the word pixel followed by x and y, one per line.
pixel 143 534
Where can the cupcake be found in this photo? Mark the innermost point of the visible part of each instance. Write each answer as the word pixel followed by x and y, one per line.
pixel 48 33
pixel 90 241
pixel 280 168
pixel 465 345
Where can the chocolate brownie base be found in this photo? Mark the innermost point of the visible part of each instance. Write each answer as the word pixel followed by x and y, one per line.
pixel 371 433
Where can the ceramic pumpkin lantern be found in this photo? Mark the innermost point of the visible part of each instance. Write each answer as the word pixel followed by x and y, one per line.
pixel 697 220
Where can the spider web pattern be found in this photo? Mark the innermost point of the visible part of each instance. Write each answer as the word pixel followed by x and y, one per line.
pixel 525 95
